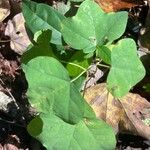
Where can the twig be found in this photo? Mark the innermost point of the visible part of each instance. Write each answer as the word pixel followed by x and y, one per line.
pixel 9 93
pixel 102 65
pixel 86 82
pixel 145 51
pixel 5 41
pixel 12 122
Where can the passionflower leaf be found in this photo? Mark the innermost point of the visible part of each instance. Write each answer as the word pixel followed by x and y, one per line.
pixel 92 27
pixel 66 121
pixel 126 68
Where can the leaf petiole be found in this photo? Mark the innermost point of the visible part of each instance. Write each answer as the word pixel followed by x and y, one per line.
pixel 102 65
pixel 73 64
pixel 79 76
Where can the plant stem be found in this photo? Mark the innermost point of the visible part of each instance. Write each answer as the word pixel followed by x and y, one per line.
pixel 73 64
pixel 145 51
pixel 12 97
pixel 78 76
pixel 4 41
pixel 102 65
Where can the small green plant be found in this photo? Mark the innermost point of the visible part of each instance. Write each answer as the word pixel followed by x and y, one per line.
pixel 147 122
pixel 53 67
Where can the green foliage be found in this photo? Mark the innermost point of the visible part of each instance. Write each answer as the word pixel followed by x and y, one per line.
pixel 146 87
pixel 51 84
pixel 66 121
pixel 81 136
pixel 41 16
pixel 147 122
pixel 76 0
pixel 63 8
pixel 126 68
pixel 78 64
pixel 79 82
pixel 104 53
pixel 91 27
pixel 65 118
pixel 41 46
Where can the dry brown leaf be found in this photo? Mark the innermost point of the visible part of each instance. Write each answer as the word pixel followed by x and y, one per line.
pixel 4 102
pixel 9 68
pixel 12 143
pixel 115 5
pixel 16 31
pixel 4 9
pixel 94 74
pixel 1 147
pixel 124 115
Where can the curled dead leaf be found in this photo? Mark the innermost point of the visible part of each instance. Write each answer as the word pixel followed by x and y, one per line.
pixel 124 115
pixel 16 31
pixel 115 5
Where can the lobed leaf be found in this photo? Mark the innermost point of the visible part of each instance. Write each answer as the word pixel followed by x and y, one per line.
pixel 78 64
pixel 92 27
pixel 40 47
pixel 104 53
pixel 40 16
pixel 66 121
pixel 126 68
pixel 59 135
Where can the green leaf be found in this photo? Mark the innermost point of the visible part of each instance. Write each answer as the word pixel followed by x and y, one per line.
pixel 146 87
pixel 104 53
pixel 40 16
pixel 77 64
pixel 59 135
pixel 79 82
pixel 51 86
pixel 126 69
pixel 93 27
pixel 35 126
pixel 66 121
pixel 41 47
pixel 76 0
pixel 62 7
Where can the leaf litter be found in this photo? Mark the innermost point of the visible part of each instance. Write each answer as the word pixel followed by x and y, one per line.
pixel 15 29
pixel 4 9
pixel 124 115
